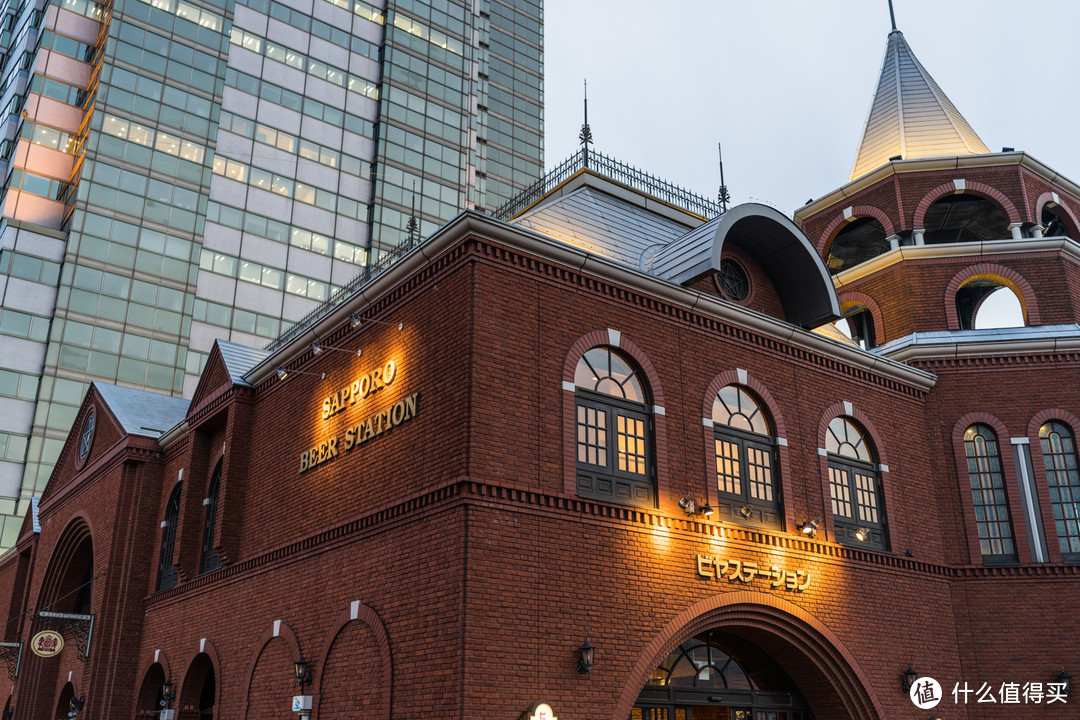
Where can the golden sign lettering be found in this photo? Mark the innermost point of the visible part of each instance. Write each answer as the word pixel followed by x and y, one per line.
pixel 359 389
pixel 358 434
pixel 745 571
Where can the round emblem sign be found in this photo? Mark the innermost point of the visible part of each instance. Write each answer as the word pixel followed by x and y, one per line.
pixel 86 437
pixel 47 643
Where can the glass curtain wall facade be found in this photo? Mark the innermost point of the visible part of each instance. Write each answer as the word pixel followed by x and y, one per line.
pixel 182 170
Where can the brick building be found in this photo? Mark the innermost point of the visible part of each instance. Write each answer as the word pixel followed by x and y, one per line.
pixel 616 458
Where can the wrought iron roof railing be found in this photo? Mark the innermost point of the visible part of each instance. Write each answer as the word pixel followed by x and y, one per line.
pixel 369 273
pixel 613 170
pixel 595 161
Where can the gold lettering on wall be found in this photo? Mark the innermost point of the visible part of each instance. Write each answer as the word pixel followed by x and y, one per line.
pixel 745 571
pixel 355 435
pixel 358 389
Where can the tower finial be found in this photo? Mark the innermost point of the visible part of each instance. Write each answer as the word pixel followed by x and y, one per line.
pixel 892 15
pixel 722 196
pixel 586 133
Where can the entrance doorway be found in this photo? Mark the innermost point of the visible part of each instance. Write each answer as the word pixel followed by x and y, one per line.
pixel 719 676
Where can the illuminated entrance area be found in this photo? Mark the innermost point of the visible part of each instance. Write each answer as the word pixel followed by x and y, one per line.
pixel 719 676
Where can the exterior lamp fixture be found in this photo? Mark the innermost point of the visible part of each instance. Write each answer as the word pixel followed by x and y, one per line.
pixel 862 534
pixel 810 528
pixel 75 705
pixel 910 676
pixel 746 509
pixel 303 675
pixel 707 511
pixel 282 373
pixel 316 348
pixel 585 662
pixel 166 693
pixel 689 507
pixel 355 321
pixel 1066 680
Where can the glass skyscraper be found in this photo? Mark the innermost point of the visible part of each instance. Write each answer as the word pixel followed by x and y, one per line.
pixel 181 170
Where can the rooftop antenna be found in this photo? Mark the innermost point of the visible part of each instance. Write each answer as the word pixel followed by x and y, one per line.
pixel 412 226
pixel 586 133
pixel 892 16
pixel 722 197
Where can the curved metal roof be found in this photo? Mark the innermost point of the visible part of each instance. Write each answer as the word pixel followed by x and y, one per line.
pixel 911 116
pixel 775 243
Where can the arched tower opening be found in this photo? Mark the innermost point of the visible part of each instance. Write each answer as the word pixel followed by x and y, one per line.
pixel 964 217
pixel 858 241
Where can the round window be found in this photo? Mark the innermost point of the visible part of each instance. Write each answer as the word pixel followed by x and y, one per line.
pixel 733 281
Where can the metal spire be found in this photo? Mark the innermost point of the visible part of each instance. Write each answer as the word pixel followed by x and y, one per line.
pixel 722 197
pixel 586 133
pixel 892 16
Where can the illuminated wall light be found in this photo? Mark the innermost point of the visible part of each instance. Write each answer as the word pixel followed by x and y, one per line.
pixel 746 510
pixel 862 534
pixel 810 528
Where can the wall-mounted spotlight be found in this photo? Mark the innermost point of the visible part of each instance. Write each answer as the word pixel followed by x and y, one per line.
pixel 585 661
pixel 910 676
pixel 282 373
pixel 746 510
pixel 316 348
pixel 862 534
pixel 810 528
pixel 356 321
pixel 688 505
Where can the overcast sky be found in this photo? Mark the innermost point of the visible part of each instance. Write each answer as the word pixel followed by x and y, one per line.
pixel 785 85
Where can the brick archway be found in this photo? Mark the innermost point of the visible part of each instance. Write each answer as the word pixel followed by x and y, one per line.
pixel 1063 211
pixel 1005 276
pixel 833 682
pixel 854 297
pixel 849 215
pixel 987 192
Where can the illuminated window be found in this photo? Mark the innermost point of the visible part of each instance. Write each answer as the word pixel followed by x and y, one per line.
pixel 167 575
pixel 1063 477
pixel 993 522
pixel 745 451
pixel 614 430
pixel 855 486
pixel 210 560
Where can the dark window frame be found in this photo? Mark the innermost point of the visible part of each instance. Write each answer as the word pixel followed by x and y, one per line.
pixel 167 576
pixel 607 482
pixel 1054 469
pixel 210 560
pixel 763 512
pixel 846 527
pixel 983 477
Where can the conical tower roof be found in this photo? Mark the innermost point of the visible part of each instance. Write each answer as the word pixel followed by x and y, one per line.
pixel 911 116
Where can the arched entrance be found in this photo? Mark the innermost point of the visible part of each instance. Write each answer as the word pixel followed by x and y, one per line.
pixel 198 696
pixel 719 676
pixel 790 662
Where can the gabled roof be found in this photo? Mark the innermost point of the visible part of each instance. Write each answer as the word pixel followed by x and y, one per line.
pixel 142 412
pixel 239 359
pixel 609 226
pixel 911 116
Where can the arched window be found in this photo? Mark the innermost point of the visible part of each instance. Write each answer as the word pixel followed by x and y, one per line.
pixel 614 430
pixel 1063 477
pixel 988 495
pixel 964 218
pixel 858 324
pixel 210 560
pixel 746 481
pixel 855 486
pixel 166 570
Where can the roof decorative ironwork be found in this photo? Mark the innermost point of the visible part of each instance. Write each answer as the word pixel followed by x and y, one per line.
pixel 612 169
